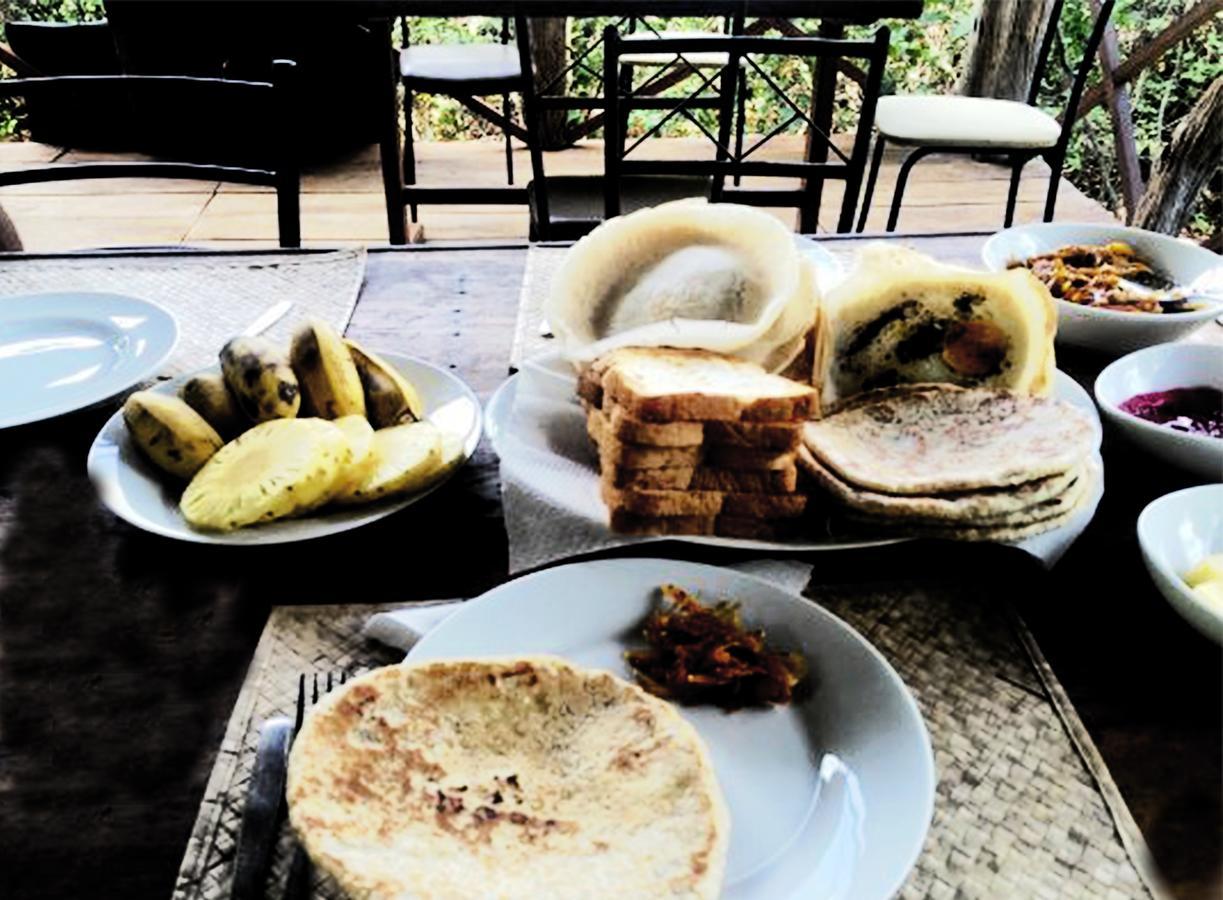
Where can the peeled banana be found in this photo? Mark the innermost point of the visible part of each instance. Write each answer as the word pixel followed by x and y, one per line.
pixel 390 399
pixel 172 434
pixel 208 395
pixel 326 372
pixel 280 468
pixel 261 379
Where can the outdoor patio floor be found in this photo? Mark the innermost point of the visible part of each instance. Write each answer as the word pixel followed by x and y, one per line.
pixel 342 201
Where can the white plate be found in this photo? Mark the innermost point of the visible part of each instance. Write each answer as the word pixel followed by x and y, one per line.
pixel 135 490
pixel 567 442
pixel 1109 330
pixel 68 351
pixel 1159 369
pixel 1175 533
pixel 829 797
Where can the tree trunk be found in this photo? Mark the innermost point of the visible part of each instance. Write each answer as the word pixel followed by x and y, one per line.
pixel 1187 164
pixel 1002 51
pixel 548 40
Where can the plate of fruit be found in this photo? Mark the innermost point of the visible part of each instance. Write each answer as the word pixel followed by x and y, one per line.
pixel 282 444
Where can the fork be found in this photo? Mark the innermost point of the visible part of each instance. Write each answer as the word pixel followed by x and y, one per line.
pixel 297 884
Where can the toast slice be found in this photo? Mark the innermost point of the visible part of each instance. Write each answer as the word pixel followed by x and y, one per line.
pixel 616 453
pixel 649 502
pixel 664 384
pixel 704 478
pixel 761 435
pixel 626 522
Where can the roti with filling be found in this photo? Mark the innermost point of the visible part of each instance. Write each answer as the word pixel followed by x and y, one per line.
pixel 937 438
pixel 506 778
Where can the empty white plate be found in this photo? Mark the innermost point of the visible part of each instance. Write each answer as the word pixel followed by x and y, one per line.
pixel 137 491
pixel 829 796
pixel 66 351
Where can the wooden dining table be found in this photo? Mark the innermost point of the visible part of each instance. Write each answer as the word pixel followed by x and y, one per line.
pixel 121 652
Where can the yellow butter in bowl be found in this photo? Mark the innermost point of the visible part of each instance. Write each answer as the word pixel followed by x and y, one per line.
pixel 1206 579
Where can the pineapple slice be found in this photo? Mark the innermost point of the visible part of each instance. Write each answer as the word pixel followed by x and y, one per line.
pixel 1209 569
pixel 360 436
pixel 408 458
pixel 279 468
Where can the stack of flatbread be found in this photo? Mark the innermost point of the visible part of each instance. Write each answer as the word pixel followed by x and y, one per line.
pixel 693 442
pixel 936 460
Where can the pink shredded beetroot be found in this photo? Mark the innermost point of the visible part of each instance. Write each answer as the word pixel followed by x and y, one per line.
pixel 1197 410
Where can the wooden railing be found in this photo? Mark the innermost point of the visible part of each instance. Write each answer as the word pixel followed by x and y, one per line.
pixel 1116 74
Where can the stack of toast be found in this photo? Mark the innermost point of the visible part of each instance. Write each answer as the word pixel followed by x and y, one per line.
pixel 693 442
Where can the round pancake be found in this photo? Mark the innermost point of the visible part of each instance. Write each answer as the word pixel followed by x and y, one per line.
pixel 936 439
pixel 506 778
pixel 1003 534
pixel 993 506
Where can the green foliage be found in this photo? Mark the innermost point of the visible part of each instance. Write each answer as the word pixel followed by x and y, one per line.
pixel 924 57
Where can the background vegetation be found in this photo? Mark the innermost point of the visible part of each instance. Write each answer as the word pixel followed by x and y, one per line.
pixel 924 57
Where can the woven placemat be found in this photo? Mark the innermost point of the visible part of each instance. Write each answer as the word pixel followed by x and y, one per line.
pixel 213 296
pixel 1024 807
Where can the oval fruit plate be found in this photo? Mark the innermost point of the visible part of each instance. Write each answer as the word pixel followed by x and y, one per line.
pixel 136 491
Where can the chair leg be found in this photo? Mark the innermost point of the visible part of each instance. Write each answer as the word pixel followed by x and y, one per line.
pixel 876 161
pixel 507 110
pixel 902 179
pixel 1017 164
pixel 626 90
pixel 740 122
pixel 1055 179
pixel 409 149
pixel 288 209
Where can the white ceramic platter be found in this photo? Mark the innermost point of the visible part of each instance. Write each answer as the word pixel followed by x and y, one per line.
pixel 829 797
pixel 66 351
pixel 1176 532
pixel 1108 330
pixel 138 492
pixel 545 443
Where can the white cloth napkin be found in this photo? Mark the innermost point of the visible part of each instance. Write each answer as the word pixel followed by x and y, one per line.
pixel 551 499
pixel 402 628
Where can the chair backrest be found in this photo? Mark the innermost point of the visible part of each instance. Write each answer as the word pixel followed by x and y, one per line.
pixel 1081 73
pixel 730 159
pixel 405 33
pixel 281 173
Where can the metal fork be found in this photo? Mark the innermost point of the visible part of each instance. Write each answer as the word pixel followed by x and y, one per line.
pixel 297 884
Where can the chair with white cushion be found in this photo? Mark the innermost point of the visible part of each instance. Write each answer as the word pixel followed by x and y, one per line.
pixel 985 126
pixel 465 72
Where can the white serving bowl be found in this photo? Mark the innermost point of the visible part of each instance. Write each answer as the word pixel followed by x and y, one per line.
pixel 1108 330
pixel 1175 533
pixel 1159 369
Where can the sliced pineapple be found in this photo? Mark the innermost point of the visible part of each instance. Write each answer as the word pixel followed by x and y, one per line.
pixel 408 457
pixel 360 436
pixel 279 468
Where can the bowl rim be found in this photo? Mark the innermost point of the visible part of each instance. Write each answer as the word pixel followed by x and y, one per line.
pixel 1214 304
pixel 1115 411
pixel 1156 560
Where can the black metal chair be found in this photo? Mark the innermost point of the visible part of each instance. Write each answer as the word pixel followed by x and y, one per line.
pixel 282 173
pixel 465 72
pixel 565 208
pixel 985 126
pixel 672 67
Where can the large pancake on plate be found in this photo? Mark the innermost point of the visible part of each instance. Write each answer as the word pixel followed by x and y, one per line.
pixel 937 438
pixel 506 778
pixel 1002 505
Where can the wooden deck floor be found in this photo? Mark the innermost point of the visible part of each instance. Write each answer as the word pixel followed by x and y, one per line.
pixel 342 202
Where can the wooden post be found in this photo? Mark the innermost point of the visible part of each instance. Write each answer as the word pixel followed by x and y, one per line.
pixel 1122 116
pixel 1187 164
pixel 1003 48
pixel 549 39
